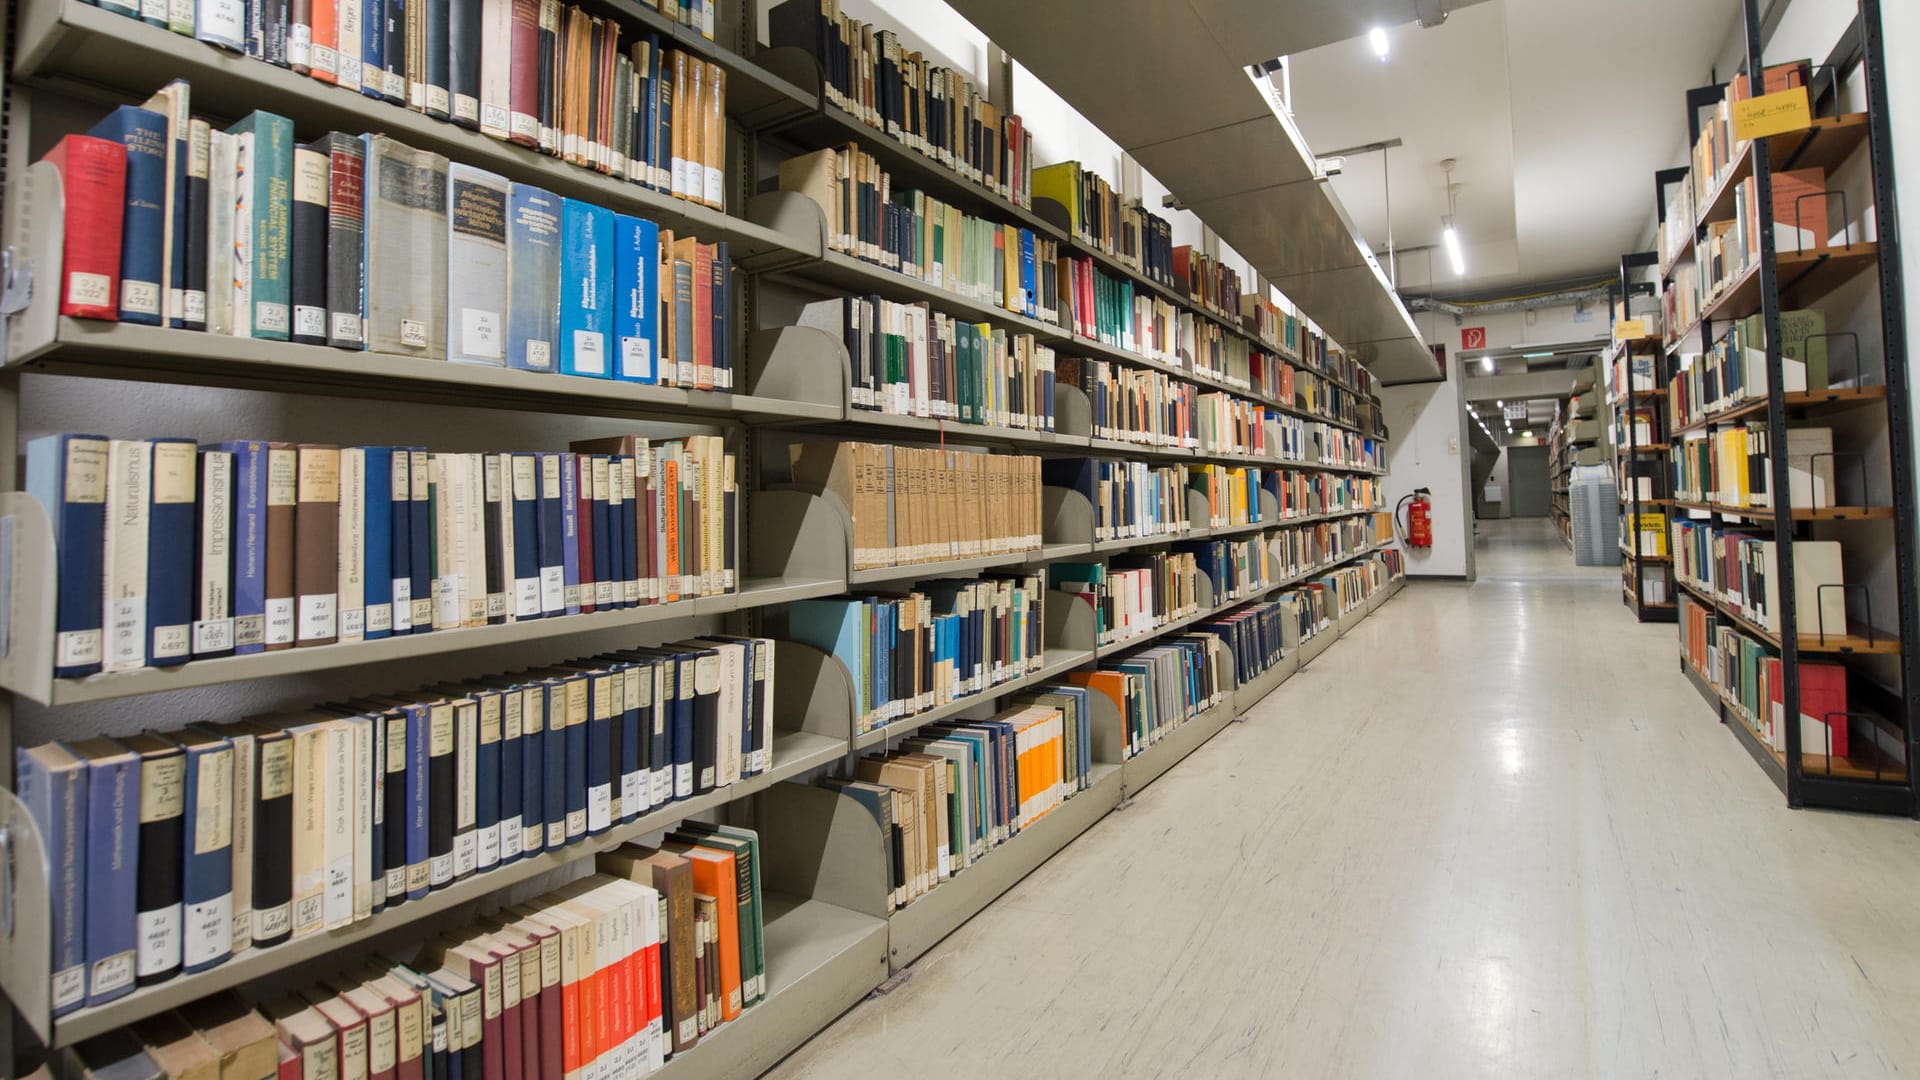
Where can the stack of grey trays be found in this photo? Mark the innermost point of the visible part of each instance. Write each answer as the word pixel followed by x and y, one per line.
pixel 1594 501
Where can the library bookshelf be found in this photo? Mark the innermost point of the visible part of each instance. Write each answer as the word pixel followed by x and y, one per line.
pixel 830 936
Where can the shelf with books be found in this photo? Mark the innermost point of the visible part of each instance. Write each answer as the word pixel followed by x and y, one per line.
pixel 1828 142
pixel 71 40
pixel 1054 663
pixel 1804 276
pixel 795 753
pixel 1798 402
pixel 1859 638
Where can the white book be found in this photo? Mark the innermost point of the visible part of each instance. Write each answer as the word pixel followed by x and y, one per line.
pixel 245 794
pixel 336 825
pixel 364 753
pixel 601 477
pixel 476 307
pixel 474 549
pixel 1810 479
pixel 129 483
pixel 466 849
pixel 499 477
pixel 213 610
pixel 496 66
pixel 446 583
pixel 172 103
pixel 346 59
pixel 221 163
pixel 352 587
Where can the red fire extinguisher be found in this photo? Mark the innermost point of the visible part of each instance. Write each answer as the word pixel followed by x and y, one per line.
pixel 1416 526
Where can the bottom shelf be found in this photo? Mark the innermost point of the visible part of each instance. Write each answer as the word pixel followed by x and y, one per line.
pixel 1150 764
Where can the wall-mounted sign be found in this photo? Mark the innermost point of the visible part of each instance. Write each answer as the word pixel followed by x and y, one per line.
pixel 1473 337
pixel 1772 114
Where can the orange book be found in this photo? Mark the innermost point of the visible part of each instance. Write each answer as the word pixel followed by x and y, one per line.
pixel 714 875
pixel 670 523
pixel 326 38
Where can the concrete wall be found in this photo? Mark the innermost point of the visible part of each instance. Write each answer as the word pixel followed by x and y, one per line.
pixel 1429 449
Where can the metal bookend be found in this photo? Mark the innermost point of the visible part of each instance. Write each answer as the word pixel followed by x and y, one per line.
pixel 1109 732
pixel 1269 507
pixel 1199 511
pixel 812 691
pixel 1072 412
pixel 795 217
pixel 1069 623
pixel 36 216
pixel 797 534
pixel 32 579
pixel 1054 214
pixel 1066 516
pixel 798 363
pixel 26 923
pixel 824 845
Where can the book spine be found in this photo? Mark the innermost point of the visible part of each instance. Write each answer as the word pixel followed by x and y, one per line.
pixel 406 265
pixel 350 604
pixel 349 23
pixel 309 263
pixel 420 536
pixel 157 911
pixel 240 867
pixel 637 296
pixel 222 23
pixel 273 838
pixel 269 214
pixel 68 475
pixel 533 278
pixel 584 534
pixel 497 507
pixel 570 532
pixel 400 547
pixel 170 552
pixel 385 470
pixel 476 265
pixel 522 490
pixel 466 811
pixel 143 217
pixel 316 546
pixel 213 557
pixel 463 58
pixel 552 536
pixel 496 66
pixel 419 801
pixel 282 486
pixel 533 753
pixel 440 794
pixel 373 48
pixel 586 288
pixel 394 82
pixel 512 771
pixel 523 79
pixel 93 179
pixel 486 780
pixel 346 241
pixel 113 797
pixel 193 248
pixel 207 874
pixel 56 798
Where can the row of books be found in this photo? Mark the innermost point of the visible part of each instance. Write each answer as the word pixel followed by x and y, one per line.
pixel 1255 636
pixel 1313 442
pixel 1232 493
pixel 258 831
pixel 1733 369
pixel 1209 282
pixel 1677 227
pixel 1099 217
pixel 1749 675
pixel 1160 688
pixel 1111 310
pixel 1153 408
pixel 911 505
pixel 1717 148
pixel 1267 321
pixel 944 799
pixel 906 654
pixel 915 234
pixel 1130 499
pixel 612 975
pixel 1644 532
pixel 1681 302
pixel 170 551
pixel 1798 218
pixel 1235 567
pixel 935 110
pixel 909 360
pixel 1733 466
pixel 1306 494
pixel 548 76
pixel 1740 568
pixel 1299 549
pixel 433 259
pixel 1630 370
pixel 1132 596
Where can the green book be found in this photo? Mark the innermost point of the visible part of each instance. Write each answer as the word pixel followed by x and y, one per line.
pixel 745 845
pixel 263 226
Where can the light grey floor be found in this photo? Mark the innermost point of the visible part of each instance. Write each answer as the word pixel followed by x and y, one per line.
pixel 1491 833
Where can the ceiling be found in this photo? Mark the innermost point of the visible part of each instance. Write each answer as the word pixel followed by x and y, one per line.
pixel 1554 157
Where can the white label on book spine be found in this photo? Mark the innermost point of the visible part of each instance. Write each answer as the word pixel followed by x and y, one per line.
pixel 553 588
pixel 440 869
pixel 317 616
pixel 346 326
pixel 112 972
pixel 76 647
pixel 480 333
pixel 539 353
pixel 268 316
pixel 599 807
pixel 512 831
pixel 413 333
pixel 280 621
pixel 466 107
pixel 526 597
pixel 69 986
pixel 349 71
pixel 309 321
pixel 466 854
pixel 715 186
pixel 636 357
pixel 272 922
pixel 158 938
pixel 212 635
pixel 324 58
pixel 94 289
pixel 396 84
pixel 489 846
pixel 633 793
pixel 299 45
pixel 140 296
pixel 493 118
pixel 127 630
pixel 194 303
pixel 588 356
pixel 209 934
pixel 352 622
pixel 437 99
pixel 402 605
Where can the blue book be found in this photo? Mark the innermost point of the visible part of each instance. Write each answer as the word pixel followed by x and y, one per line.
pixel 636 289
pixel 373 49
pixel 524 491
pixel 552 535
pixel 533 277
pixel 575 785
pixel 172 534
pixel 400 541
pixel 52 785
pixel 512 767
pixel 533 768
pixel 636 786
pixel 655 719
pixel 385 473
pixel 570 531
pixel 248 580
pixel 553 754
pixel 682 736
pixel 586 289
pixel 206 876
pixel 722 318
pixel 143 225
pixel 604 586
pixel 486 765
pixel 603 690
pixel 113 804
pixel 419 543
pixel 67 474
pixel 1029 285
pixel 417 746
pixel 839 628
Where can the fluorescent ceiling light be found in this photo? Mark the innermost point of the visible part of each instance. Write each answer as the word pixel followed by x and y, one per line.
pixel 1451 238
pixel 1535 355
pixel 1526 434
pixel 1378 38
pixel 1499 404
pixel 1487 362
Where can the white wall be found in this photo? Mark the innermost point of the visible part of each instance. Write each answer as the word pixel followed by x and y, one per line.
pixel 1901 20
pixel 1557 325
pixel 1429 449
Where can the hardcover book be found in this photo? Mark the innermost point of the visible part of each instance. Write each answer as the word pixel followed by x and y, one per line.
pixel 222 175
pixel 533 277
pixel 636 272
pixel 52 785
pixel 206 849
pixel 170 551
pixel 406 226
pixel 476 265
pixel 346 239
pixel 213 556
pixel 162 804
pixel 586 289
pixel 316 546
pixel 143 220
pixel 67 474
pixel 308 287
pixel 93 179
pixel 263 227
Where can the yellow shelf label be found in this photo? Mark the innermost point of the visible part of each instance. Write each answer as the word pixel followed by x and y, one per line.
pixel 1772 114
pixel 1629 329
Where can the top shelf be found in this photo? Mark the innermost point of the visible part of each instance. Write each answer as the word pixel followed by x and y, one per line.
pixel 1829 142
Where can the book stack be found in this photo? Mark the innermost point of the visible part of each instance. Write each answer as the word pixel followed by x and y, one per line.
pixel 946 798
pixel 1130 499
pixel 1270 375
pixel 432 259
pixel 173 552
pixel 1228 424
pixel 1108 309
pixel 1236 568
pixel 1158 689
pixel 912 505
pixel 1716 148
pixel 319 819
pixel 1135 405
pixel 1132 596
pixel 1214 353
pixel 1254 637
pixel 908 653
pixel 1210 283
pixel 909 360
pixel 1733 370
pixel 1098 217
pixel 1677 227
pixel 1232 493
pixel 1263 319
pixel 549 76
pixel 934 110
pixel 1699 632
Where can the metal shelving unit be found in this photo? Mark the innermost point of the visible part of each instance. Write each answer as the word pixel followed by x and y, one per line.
pixel 1883 677
pixel 1629 401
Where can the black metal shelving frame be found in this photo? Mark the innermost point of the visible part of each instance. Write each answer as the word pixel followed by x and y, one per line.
pixel 1628 453
pixel 1889 789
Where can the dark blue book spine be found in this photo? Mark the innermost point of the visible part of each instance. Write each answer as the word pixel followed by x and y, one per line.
pixel 373 49
pixel 419 800
pixel 634 786
pixel 576 780
pixel 552 535
pixel 586 289
pixel 533 770
pixel 395 89
pixel 171 538
pixel 523 490
pixel 486 799
pixel 206 879
pixel 383 474
pixel 67 474
pixel 604 586
pixel 400 541
pixel 683 737
pixel 113 803
pixel 512 765
pixel 570 531
pixel 636 288
pixel 553 787
pixel 660 733
pixel 143 236
pixel 56 797
pixel 600 763
pixel 419 542
pixel 722 317
pixel 249 546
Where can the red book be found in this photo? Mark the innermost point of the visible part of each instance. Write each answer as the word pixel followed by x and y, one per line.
pixel 703 316
pixel 523 85
pixel 477 963
pixel 512 1005
pixel 289 1062
pixel 1823 707
pixel 411 1032
pixel 583 503
pixel 93 176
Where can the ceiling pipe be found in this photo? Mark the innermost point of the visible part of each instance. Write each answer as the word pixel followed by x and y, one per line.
pixel 1590 294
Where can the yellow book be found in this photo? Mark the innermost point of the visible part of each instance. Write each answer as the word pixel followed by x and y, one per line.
pixel 1061 183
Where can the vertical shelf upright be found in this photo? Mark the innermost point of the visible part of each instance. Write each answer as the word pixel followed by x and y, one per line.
pixel 1645 571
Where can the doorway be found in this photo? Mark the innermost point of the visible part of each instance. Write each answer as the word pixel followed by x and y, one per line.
pixel 1527 479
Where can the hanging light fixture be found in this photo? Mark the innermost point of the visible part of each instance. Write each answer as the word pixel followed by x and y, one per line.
pixel 1450 237
pixel 1381 46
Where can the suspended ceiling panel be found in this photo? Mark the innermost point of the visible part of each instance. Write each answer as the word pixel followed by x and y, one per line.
pixel 1252 31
